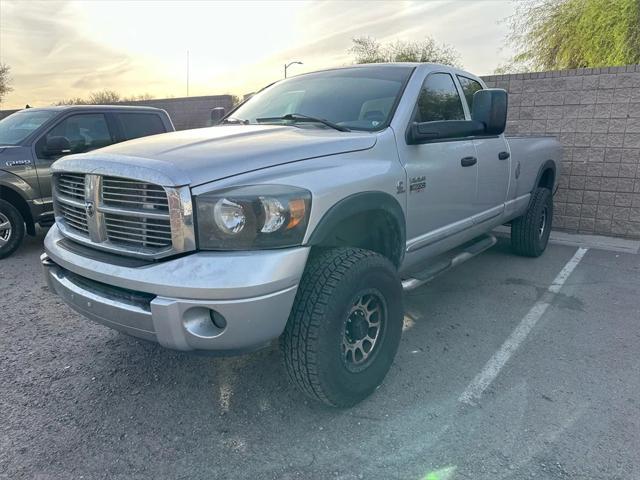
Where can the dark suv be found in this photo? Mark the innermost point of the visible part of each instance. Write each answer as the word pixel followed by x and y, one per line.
pixel 32 139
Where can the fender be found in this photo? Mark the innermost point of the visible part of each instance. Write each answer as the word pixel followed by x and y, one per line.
pixel 549 164
pixel 360 203
pixel 21 190
pixel 18 185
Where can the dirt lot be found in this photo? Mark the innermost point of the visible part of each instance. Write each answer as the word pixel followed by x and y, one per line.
pixel 563 400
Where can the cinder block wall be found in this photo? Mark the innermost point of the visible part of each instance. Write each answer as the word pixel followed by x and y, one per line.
pixel 6 113
pixel 189 112
pixel 595 113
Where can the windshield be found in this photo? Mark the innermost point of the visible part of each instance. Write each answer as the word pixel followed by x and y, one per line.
pixel 360 98
pixel 18 126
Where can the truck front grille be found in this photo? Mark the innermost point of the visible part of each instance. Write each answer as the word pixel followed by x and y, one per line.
pixel 123 193
pixel 75 218
pixel 118 214
pixel 71 185
pixel 138 232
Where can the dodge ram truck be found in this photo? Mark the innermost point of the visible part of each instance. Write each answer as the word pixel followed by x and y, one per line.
pixel 301 216
pixel 32 139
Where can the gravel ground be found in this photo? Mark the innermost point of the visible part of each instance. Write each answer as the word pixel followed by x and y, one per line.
pixel 79 400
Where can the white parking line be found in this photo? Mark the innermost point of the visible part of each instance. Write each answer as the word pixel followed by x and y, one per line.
pixel 501 357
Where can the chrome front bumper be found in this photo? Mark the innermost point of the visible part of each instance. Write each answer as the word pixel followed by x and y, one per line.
pixel 171 302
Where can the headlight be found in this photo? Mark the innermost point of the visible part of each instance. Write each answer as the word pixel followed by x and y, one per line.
pixel 258 216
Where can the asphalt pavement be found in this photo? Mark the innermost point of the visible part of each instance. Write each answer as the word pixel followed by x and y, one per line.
pixel 78 400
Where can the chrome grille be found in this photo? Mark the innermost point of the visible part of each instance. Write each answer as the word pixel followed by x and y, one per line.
pixel 75 218
pixel 119 192
pixel 136 229
pixel 131 217
pixel 146 232
pixel 71 185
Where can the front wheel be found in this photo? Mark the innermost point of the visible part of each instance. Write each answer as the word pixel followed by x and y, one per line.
pixel 345 326
pixel 530 232
pixel 11 229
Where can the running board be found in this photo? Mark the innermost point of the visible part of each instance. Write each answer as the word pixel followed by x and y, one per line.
pixel 449 260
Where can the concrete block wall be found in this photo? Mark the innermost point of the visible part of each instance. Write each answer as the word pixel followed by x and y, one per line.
pixel 595 113
pixel 189 112
pixel 6 113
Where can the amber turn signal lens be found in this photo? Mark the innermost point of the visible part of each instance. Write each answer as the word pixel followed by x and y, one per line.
pixel 296 212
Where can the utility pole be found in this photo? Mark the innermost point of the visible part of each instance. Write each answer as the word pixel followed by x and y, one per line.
pixel 187 73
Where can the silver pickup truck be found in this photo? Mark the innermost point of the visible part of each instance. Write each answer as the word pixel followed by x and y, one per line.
pixel 302 215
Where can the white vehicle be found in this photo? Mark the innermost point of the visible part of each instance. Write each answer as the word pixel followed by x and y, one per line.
pixel 301 216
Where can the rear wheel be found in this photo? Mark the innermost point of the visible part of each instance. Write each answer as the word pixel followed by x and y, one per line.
pixel 345 326
pixel 530 232
pixel 11 229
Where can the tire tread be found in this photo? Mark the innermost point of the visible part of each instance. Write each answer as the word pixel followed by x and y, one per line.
pixel 524 229
pixel 322 277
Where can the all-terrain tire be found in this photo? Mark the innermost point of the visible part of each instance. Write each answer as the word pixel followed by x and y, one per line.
pixel 11 239
pixel 530 232
pixel 320 342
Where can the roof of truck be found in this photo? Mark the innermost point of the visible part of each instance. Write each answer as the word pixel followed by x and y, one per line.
pixel 395 65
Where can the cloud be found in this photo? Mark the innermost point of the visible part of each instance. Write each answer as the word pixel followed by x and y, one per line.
pixel 49 58
pixel 59 49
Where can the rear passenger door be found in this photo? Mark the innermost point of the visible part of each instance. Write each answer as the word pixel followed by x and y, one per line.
pixel 494 164
pixel 139 124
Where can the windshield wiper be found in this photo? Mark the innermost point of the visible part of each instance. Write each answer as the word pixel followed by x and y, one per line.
pixel 298 117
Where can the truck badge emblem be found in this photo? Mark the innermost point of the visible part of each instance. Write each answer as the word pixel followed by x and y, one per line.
pixel 17 163
pixel 400 187
pixel 417 184
pixel 88 207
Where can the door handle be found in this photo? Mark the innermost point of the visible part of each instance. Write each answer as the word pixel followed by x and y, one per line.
pixel 468 161
pixel 503 155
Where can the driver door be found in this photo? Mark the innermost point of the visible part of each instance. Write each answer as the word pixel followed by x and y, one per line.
pixel 442 175
pixel 84 131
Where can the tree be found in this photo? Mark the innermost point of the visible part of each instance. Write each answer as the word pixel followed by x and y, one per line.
pixel 369 50
pixel 72 101
pixel 104 97
pixel 4 80
pixel 564 34
pixel 137 98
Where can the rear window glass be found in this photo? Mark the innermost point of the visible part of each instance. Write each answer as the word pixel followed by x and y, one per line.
pixel 136 125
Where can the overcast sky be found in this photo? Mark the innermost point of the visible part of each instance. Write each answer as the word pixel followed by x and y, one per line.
pixel 61 49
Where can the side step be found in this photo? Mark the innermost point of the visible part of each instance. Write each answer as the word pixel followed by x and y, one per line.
pixel 449 260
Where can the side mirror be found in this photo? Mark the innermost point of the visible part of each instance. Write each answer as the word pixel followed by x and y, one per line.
pixel 217 114
pixel 441 130
pixel 490 109
pixel 57 146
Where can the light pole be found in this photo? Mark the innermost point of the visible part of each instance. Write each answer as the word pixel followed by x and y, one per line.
pixel 287 65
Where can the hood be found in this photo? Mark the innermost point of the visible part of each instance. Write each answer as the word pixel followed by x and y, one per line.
pixel 194 157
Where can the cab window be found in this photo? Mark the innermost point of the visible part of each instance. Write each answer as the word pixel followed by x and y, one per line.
pixel 136 125
pixel 439 100
pixel 84 132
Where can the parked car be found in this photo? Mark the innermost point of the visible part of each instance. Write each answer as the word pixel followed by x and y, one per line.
pixel 32 139
pixel 302 216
